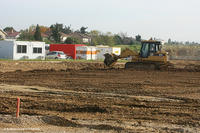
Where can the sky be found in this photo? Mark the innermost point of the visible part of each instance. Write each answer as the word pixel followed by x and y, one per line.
pixel 164 19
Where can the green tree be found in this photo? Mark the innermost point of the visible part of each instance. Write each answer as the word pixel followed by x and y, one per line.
pixel 138 38
pixel 67 30
pixel 32 28
pixel 99 38
pixel 9 29
pixel 69 40
pixel 95 37
pixel 107 39
pixel 83 30
pixel 118 40
pixel 169 41
pixel 56 29
pixel 26 36
pixel 72 40
pixel 37 34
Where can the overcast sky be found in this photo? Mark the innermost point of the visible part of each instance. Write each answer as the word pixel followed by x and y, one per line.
pixel 175 19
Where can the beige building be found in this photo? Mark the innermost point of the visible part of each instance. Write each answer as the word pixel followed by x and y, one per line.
pixel 83 38
pixel 2 34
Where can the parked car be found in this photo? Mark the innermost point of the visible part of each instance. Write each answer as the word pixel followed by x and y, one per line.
pixel 56 55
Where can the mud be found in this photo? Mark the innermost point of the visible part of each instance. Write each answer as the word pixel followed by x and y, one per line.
pixel 11 66
pixel 102 100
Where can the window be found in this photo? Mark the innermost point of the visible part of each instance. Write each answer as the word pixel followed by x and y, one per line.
pixel 21 48
pixel 145 50
pixel 37 50
pixel 61 53
pixel 152 47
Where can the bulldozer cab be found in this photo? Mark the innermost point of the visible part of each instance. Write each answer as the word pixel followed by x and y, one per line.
pixel 149 48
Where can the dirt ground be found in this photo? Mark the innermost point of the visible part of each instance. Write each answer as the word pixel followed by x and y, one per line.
pixel 86 97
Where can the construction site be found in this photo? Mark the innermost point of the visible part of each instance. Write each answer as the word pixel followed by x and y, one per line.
pixel 100 66
pixel 72 96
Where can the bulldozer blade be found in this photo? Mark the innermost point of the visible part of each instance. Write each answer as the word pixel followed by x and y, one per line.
pixel 110 60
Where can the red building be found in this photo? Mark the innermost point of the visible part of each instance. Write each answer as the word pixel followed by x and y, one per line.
pixel 68 49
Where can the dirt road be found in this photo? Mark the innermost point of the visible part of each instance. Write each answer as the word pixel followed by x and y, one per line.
pixel 101 100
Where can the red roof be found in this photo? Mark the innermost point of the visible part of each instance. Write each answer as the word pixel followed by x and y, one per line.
pixel 44 35
pixel 14 34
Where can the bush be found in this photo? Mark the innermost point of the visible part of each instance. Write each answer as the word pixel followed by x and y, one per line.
pixel 182 50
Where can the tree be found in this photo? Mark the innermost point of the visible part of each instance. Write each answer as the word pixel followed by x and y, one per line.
pixel 32 28
pixel 67 30
pixel 83 30
pixel 72 40
pixel 56 29
pixel 117 40
pixel 9 29
pixel 69 40
pixel 94 37
pixel 123 35
pixel 128 41
pixel 107 39
pixel 37 34
pixel 169 41
pixel 44 29
pixel 138 38
pixel 99 38
pixel 26 36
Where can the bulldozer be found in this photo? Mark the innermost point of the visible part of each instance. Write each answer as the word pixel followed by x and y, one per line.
pixel 151 56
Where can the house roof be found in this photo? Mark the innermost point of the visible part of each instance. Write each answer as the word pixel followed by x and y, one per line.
pixel 13 34
pixel 81 35
pixel 75 34
pixel 44 35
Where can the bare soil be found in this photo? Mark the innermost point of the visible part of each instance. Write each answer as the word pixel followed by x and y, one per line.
pixel 86 97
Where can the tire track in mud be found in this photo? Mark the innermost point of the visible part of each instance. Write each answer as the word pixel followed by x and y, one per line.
pixel 121 94
pixel 153 107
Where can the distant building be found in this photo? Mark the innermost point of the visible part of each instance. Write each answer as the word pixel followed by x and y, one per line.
pixel 44 36
pixel 17 50
pixel 13 35
pixel 2 34
pixel 63 37
pixel 83 38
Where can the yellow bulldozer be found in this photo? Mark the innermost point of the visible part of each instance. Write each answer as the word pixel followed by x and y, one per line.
pixel 151 56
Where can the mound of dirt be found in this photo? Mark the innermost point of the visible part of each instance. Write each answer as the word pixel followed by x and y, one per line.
pixel 22 120
pixel 37 120
pixel 42 121
pixel 52 66
pixel 58 121
pixel 7 66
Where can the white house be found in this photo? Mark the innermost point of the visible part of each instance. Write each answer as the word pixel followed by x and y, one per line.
pixel 17 50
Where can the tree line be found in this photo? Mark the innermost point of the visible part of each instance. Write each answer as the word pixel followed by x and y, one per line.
pixel 54 32
pixel 173 42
